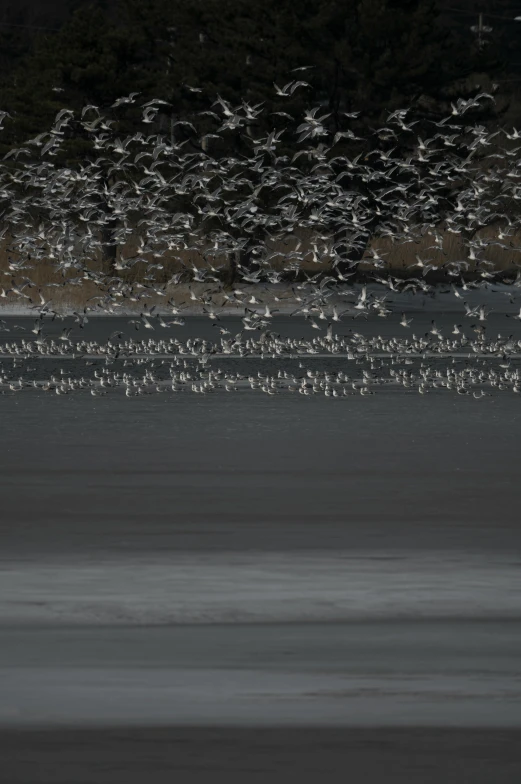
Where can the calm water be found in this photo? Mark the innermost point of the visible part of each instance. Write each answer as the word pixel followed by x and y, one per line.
pixel 339 562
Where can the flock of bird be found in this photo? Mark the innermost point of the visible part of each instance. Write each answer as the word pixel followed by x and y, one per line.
pixel 219 186
pixel 356 364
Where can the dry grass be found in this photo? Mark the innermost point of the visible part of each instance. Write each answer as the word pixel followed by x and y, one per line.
pixel 400 257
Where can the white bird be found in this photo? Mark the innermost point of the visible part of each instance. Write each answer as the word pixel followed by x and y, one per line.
pixel 289 88
pixel 125 100
pixel 360 305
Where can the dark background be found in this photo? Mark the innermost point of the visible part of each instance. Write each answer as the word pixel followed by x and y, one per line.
pixel 368 56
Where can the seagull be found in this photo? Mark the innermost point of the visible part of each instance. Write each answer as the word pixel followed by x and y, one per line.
pixel 360 305
pixel 146 322
pixel 125 100
pixel 289 88
pixel 434 330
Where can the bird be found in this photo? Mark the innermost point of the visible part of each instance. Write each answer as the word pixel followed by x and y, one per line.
pixel 125 100
pixel 289 88
pixel 201 208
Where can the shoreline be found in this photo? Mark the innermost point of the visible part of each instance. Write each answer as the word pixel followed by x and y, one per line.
pixel 280 298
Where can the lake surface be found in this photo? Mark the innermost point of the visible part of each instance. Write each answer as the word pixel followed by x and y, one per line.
pixel 346 568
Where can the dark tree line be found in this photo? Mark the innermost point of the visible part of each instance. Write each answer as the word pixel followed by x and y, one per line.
pixel 367 56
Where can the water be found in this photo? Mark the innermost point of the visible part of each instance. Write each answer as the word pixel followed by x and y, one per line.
pixel 238 471
pixel 234 559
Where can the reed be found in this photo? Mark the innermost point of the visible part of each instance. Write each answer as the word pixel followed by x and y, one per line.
pixel 68 290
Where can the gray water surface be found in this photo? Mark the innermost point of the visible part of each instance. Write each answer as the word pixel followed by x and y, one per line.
pixel 242 560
